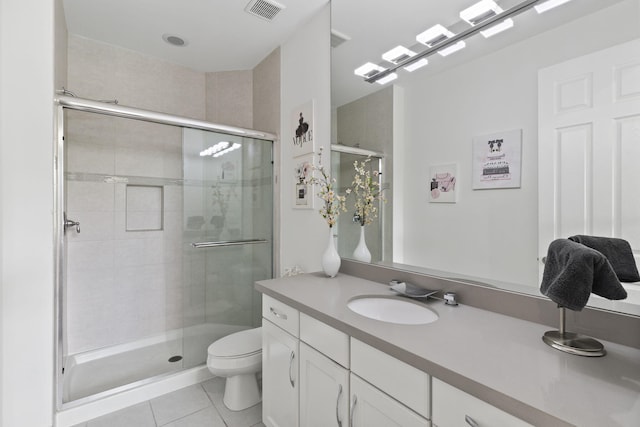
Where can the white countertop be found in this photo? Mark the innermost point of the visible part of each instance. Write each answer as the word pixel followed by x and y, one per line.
pixel 497 358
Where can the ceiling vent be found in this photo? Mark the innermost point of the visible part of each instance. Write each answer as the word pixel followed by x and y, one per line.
pixel 265 9
pixel 337 38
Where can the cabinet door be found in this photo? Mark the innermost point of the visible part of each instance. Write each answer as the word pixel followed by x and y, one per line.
pixel 324 390
pixel 372 408
pixel 279 377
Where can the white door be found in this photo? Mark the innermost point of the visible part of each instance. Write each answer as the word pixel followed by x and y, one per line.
pixel 279 377
pixel 324 390
pixel 372 408
pixel 589 147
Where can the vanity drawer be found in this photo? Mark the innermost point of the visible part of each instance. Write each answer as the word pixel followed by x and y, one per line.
pixel 326 339
pixel 399 380
pixel 281 314
pixel 454 407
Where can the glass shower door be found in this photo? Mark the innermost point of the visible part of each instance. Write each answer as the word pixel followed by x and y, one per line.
pixel 227 231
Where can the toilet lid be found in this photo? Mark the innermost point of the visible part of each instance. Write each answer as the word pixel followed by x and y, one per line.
pixel 238 344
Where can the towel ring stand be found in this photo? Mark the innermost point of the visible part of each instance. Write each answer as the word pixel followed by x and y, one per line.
pixel 573 343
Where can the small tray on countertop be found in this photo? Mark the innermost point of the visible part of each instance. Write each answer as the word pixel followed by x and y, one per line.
pixel 409 290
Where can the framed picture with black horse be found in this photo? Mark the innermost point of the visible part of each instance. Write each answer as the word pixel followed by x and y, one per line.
pixel 302 124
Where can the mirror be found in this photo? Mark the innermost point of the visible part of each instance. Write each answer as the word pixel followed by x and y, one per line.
pixel 489 236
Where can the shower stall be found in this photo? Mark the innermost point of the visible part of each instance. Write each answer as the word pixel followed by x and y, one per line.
pixel 162 226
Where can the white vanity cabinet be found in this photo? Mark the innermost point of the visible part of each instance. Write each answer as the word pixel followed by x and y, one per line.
pixel 453 407
pixel 280 359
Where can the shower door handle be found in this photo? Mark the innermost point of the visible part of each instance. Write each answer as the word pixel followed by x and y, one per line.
pixel 70 223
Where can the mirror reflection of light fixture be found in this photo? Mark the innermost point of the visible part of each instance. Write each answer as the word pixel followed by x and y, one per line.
pixel 219 149
pixel 453 48
pixel 387 78
pixel 401 53
pixel 368 70
pixel 418 64
pixel 482 11
pixel 434 35
pixel 398 54
pixel 549 4
pixel 492 31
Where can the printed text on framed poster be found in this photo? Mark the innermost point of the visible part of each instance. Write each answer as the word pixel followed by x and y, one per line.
pixel 497 160
pixel 302 127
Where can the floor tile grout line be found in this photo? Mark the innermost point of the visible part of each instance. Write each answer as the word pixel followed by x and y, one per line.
pixel 214 405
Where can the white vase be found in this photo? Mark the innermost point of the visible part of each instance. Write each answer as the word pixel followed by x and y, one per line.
pixel 330 258
pixel 362 252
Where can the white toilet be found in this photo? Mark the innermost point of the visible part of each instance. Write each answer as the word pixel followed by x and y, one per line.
pixel 238 358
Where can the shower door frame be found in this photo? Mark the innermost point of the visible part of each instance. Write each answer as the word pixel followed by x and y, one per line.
pixel 86 105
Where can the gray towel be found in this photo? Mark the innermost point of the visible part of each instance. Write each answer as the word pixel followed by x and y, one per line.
pixel 617 251
pixel 572 271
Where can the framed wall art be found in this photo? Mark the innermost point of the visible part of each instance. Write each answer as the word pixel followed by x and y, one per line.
pixel 442 183
pixel 302 129
pixel 303 198
pixel 497 160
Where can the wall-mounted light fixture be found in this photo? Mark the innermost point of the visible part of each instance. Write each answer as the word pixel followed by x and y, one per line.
pixel 485 17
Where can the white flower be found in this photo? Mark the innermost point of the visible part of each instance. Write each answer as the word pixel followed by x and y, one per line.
pixel 366 190
pixel 333 203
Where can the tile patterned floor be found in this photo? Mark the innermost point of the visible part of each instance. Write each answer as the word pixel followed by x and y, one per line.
pixel 198 405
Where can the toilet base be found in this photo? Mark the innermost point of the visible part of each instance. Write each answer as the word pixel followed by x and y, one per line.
pixel 241 392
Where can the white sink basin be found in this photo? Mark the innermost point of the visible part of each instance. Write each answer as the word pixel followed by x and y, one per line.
pixel 392 310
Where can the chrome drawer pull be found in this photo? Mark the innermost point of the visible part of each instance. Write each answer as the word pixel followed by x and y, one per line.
pixel 470 421
pixel 277 314
pixel 293 355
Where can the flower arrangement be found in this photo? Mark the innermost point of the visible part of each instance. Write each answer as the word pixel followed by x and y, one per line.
pixel 366 188
pixel 333 202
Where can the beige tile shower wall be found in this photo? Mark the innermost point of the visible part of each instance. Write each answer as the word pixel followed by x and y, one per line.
pixel 266 94
pixel 121 285
pixel 101 71
pixel 229 98
pixel 127 285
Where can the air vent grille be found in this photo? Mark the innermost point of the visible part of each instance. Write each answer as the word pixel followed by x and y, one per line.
pixel 264 9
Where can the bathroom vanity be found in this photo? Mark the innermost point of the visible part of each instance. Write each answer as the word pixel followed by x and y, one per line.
pixel 324 365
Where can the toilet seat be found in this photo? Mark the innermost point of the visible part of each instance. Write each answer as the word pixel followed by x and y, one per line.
pixel 237 345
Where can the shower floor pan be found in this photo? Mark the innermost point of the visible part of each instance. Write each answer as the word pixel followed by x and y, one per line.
pixel 89 373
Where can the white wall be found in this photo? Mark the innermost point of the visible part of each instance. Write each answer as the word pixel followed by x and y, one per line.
pixel 488 233
pixel 26 193
pixel 305 75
